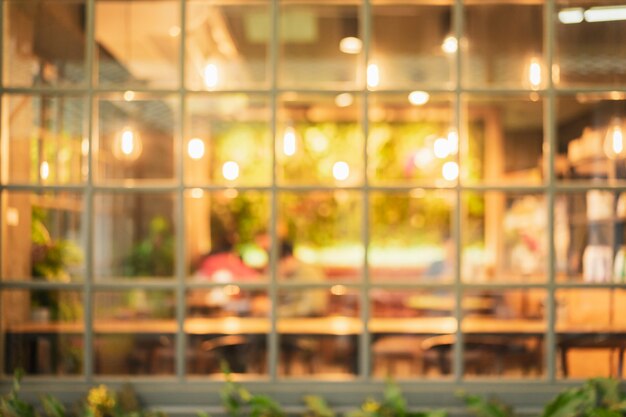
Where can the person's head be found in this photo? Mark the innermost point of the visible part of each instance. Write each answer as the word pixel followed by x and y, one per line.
pixel 285 249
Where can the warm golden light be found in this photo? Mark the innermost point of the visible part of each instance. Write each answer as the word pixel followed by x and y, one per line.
pixel 195 148
pixel 570 16
pixel 127 145
pixel 341 171
pixel 441 148
pixel 423 158
pixel 338 290
pixel 44 170
pixel 450 45
pixel 197 193
pixel 373 75
pixel 210 76
pixel 450 171
pixel 614 140
pixel 174 31
pixel 534 73
pixel 230 170
pixel 84 147
pixel 419 98
pixel 453 141
pixel 289 141
pixel 129 95
pixel 350 45
pixel 344 100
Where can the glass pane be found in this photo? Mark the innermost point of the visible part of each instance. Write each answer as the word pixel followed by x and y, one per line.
pixel 42 331
pixel 135 139
pixel 44 43
pixel 588 50
pixel 504 45
pixel 405 323
pixel 45 140
pixel 227 45
pixel 590 138
pixel 313 50
pixel 137 43
pixel 227 323
pixel 134 332
pixel 503 140
pixel 319 330
pixel 134 235
pixel 410 236
pixel 319 140
pixel 590 236
pixel 46 237
pixel 590 327
pixel 503 332
pixel 421 62
pixel 228 140
pixel 411 139
pixel 226 235
pixel 325 230
pixel 504 237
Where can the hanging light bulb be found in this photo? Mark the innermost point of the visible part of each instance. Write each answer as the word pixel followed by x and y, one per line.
pixel 289 141
pixel 373 75
pixel 210 76
pixel 534 73
pixel 614 140
pixel 127 145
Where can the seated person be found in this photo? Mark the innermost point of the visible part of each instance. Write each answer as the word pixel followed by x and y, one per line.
pixel 296 302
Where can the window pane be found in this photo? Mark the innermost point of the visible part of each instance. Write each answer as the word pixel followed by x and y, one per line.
pixel 134 235
pixel 503 332
pixel 325 230
pixel 135 138
pixel 44 43
pixel 590 326
pixel 503 140
pixel 318 330
pixel 226 233
pixel 504 45
pixel 411 140
pixel 137 43
pixel 504 237
pixel 228 140
pixel 227 323
pixel 46 142
pixel 46 237
pixel 319 140
pixel 590 138
pixel 405 323
pixel 588 51
pixel 43 331
pixel 310 37
pixel 420 62
pixel 410 236
pixel 589 236
pixel 134 332
pixel 227 45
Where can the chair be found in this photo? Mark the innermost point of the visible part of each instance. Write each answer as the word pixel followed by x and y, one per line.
pixel 481 354
pixel 392 350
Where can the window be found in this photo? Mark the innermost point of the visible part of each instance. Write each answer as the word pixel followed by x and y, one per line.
pixel 315 192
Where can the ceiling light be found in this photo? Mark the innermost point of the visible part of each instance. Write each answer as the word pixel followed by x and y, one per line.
pixel 350 45
pixel 341 171
pixel 450 44
pixel 419 98
pixel 344 100
pixel 614 140
pixel 230 170
pixel 570 16
pixel 195 148
pixel 127 145
pixel 373 75
pixel 605 14
pixel 210 76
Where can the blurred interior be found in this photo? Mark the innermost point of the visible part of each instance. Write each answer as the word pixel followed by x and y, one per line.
pixel 359 181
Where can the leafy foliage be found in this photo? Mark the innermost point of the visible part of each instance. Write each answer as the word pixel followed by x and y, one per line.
pixel 393 404
pixel 236 399
pixel 486 407
pixel 598 397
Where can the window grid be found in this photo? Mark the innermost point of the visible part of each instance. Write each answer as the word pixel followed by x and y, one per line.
pixel 549 188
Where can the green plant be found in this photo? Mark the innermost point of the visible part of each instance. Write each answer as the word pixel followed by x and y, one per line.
pixel 598 397
pixel 485 407
pixel 236 399
pixel 393 404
